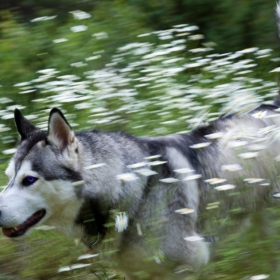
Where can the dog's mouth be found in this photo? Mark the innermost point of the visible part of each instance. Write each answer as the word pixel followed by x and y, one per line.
pixel 21 229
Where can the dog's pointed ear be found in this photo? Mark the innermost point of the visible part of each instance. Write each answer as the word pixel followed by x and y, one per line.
pixel 60 132
pixel 25 127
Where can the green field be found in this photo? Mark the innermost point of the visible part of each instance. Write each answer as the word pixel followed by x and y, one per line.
pixel 126 76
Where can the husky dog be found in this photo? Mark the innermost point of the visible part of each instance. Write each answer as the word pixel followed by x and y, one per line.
pixel 78 181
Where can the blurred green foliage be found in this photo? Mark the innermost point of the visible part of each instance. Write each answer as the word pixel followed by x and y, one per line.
pixel 231 24
pixel 158 83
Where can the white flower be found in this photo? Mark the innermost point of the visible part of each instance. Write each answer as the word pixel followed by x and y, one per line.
pixel 72 267
pixel 213 205
pixel 214 181
pixel 146 172
pixel 249 155
pixel 98 165
pixel 159 257
pixel 257 147
pixel 192 177
pixel 87 256
pixel 215 135
pixel 193 238
pixel 100 35
pixel 9 151
pixel 60 40
pixel 78 28
pixel 44 227
pixel 127 177
pixel 156 162
pixel 237 143
pixel 169 180
pixel 137 165
pixel 259 114
pixel 23 84
pixel 276 194
pixel 275 70
pixel 121 222
pixel 184 211
pixel 43 18
pixel 80 15
pixel 200 145
pixel 196 37
pixel 183 170
pixel 253 180
pixel 78 183
pixel 152 157
pixel 48 71
pixel 249 50
pixel 231 167
pixel 225 187
pixel 259 277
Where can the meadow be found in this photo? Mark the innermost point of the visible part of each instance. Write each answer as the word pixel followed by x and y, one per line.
pixel 163 82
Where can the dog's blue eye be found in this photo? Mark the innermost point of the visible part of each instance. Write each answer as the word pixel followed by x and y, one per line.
pixel 29 180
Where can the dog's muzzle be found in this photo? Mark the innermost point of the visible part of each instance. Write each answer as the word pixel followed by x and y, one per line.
pixel 22 228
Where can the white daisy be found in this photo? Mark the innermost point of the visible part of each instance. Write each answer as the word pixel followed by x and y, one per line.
pixel 121 222
pixel 225 187
pixel 184 211
pixel 214 181
pixel 127 177
pixel 259 114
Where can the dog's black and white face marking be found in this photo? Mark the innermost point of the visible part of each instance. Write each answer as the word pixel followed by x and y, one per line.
pixel 15 197
pixel 40 186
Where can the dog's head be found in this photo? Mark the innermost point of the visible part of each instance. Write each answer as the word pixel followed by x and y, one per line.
pixel 41 176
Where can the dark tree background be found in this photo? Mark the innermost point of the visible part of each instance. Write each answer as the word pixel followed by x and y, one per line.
pixel 232 24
